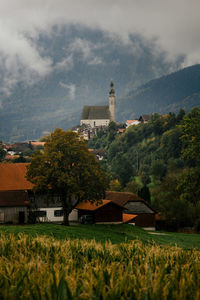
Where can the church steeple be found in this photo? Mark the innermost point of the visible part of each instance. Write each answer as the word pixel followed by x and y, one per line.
pixel 112 101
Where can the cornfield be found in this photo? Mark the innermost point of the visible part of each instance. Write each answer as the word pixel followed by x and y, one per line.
pixel 45 268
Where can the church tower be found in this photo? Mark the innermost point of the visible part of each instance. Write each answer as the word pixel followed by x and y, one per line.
pixel 112 102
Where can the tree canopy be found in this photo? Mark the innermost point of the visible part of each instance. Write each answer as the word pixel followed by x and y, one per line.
pixel 191 134
pixel 66 168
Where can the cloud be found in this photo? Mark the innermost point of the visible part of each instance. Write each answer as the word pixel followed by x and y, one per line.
pixel 71 89
pixel 172 26
pixel 65 65
pixel 87 50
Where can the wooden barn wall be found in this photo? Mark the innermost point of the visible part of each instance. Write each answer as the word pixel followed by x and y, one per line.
pixel 82 212
pixel 109 213
pixel 11 214
pixel 145 220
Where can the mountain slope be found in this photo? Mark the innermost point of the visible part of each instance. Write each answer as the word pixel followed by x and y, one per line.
pixel 169 93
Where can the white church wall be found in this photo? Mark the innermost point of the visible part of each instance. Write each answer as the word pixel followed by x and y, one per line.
pixel 97 122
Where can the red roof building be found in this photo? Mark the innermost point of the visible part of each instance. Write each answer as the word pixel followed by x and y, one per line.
pixel 104 212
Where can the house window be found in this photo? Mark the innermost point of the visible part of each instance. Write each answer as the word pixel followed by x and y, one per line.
pixel 58 213
pixel 41 213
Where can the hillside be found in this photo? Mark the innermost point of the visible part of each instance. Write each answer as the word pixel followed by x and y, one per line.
pixel 166 94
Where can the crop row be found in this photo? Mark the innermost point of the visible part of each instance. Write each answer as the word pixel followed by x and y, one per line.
pixel 44 268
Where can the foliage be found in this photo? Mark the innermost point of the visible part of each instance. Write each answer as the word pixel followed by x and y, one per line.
pixel 154 150
pixel 2 153
pixel 189 185
pixel 191 134
pixel 43 268
pixel 115 185
pixel 158 169
pixel 66 168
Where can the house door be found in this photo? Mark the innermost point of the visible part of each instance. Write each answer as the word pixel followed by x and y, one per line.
pixel 21 217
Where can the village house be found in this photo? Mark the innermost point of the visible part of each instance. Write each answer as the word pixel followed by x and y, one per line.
pixel 144 118
pixel 132 122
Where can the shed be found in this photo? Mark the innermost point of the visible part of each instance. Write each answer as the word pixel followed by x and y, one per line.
pixel 105 212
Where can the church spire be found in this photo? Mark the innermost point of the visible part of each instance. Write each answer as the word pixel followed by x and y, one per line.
pixel 112 101
pixel 112 90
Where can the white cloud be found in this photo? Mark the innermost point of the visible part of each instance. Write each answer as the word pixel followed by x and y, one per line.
pixel 65 64
pixel 173 25
pixel 87 50
pixel 71 89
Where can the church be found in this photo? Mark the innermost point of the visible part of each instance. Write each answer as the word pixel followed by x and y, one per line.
pixel 95 116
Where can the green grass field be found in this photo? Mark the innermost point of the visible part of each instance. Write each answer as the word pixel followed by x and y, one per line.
pixel 101 233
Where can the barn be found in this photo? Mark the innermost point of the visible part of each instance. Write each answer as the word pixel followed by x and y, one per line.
pixel 105 212
pixel 14 193
pixel 137 211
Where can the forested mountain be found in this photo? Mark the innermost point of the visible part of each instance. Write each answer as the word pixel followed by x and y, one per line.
pixel 166 94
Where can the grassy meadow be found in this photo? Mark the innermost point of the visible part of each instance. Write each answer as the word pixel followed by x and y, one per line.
pixel 101 233
pixel 47 261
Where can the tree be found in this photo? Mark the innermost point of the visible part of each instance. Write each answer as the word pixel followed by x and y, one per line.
pixel 2 153
pixel 158 169
pixel 66 168
pixel 191 134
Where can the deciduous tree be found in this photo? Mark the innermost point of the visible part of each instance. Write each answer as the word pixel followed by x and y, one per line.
pixel 66 168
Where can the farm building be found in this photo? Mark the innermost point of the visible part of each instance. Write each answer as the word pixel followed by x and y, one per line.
pixel 137 210
pixel 17 201
pixel 105 212
pixel 18 204
pixel 14 195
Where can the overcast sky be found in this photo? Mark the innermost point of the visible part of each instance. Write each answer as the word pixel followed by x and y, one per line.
pixel 173 25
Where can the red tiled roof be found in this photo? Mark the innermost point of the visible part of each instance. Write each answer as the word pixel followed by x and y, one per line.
pixel 92 206
pixel 127 218
pixel 12 177
pixel 35 144
pixel 122 198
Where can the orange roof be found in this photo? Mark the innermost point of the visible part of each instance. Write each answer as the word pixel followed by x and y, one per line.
pixel 35 144
pixel 12 177
pixel 92 206
pixel 130 121
pixel 127 218
pixel 8 156
pixel 121 130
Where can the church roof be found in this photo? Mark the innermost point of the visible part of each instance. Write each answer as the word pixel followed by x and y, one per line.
pixel 95 112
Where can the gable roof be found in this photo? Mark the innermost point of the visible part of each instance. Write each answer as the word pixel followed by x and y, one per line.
pixel 94 206
pixel 14 198
pixel 139 207
pixel 12 177
pixel 122 198
pixel 132 202
pixel 144 118
pixel 95 112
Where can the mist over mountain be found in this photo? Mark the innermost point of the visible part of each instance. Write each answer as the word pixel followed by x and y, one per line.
pixel 83 63
pixel 169 93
